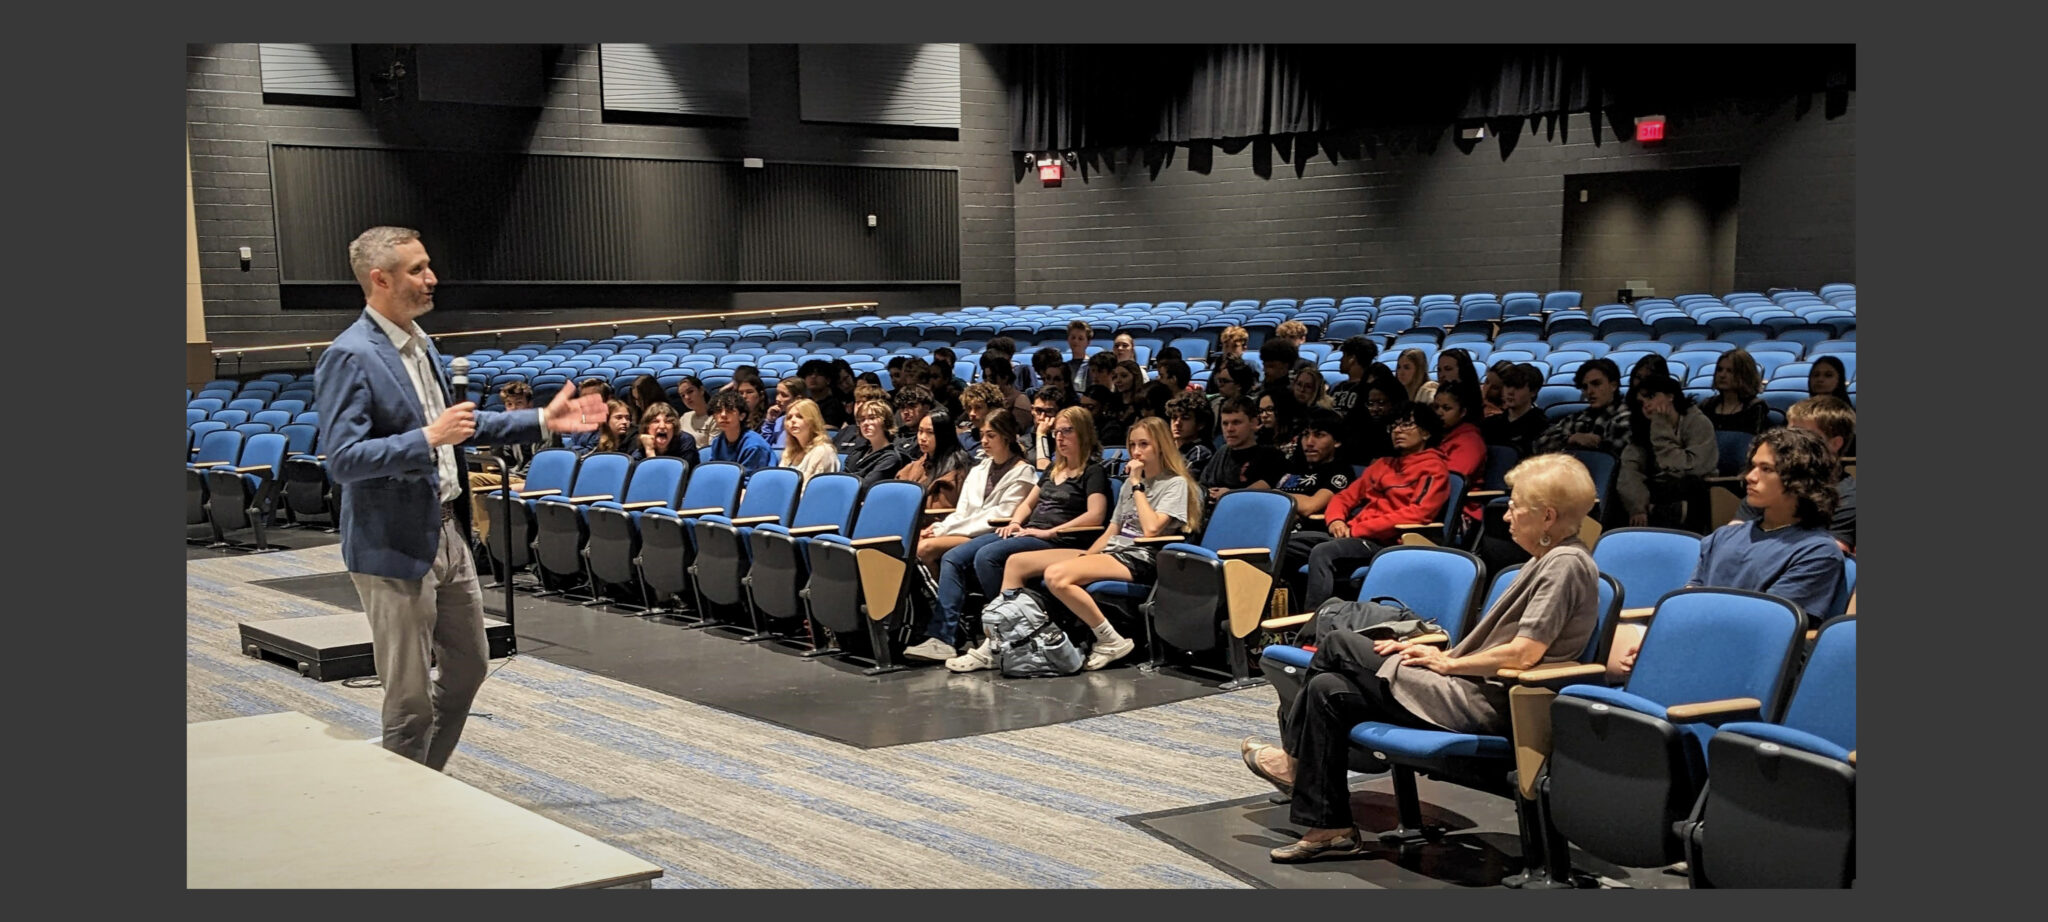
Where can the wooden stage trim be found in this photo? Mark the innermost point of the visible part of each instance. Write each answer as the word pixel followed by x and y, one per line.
pixel 285 801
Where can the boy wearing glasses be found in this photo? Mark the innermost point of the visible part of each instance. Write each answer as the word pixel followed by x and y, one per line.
pixel 1039 449
pixel 1408 487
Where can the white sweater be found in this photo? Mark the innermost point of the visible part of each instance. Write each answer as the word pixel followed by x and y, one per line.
pixel 970 518
pixel 822 458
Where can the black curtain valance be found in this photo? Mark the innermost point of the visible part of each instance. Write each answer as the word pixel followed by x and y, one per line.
pixel 1080 97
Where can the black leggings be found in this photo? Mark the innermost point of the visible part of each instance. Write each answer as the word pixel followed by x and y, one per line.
pixel 1343 690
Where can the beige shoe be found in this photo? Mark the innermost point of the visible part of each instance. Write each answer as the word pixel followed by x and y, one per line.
pixel 1105 653
pixel 933 650
pixel 1344 846
pixel 975 659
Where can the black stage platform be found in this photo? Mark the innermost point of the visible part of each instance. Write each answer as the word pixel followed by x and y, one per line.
pixel 820 696
pixel 1479 849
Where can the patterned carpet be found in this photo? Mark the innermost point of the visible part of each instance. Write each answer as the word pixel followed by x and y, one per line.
pixel 721 801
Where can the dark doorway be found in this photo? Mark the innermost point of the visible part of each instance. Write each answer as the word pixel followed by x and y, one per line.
pixel 1674 229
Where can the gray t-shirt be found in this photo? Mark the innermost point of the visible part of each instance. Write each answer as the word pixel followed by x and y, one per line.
pixel 1554 601
pixel 1169 496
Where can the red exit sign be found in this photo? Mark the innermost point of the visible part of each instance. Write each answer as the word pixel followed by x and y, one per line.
pixel 1049 173
pixel 1650 128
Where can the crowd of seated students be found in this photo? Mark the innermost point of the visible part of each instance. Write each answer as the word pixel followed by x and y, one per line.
pixel 1024 494
pixel 1014 461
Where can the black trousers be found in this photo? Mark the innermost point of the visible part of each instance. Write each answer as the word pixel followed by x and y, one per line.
pixel 1330 562
pixel 1343 690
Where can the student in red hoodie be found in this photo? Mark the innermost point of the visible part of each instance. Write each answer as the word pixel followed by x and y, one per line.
pixel 1408 487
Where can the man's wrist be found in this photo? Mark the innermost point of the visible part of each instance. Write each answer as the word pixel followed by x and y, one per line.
pixel 542 414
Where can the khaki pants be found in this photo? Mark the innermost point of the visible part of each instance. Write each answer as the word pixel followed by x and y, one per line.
pixel 479 484
pixel 437 619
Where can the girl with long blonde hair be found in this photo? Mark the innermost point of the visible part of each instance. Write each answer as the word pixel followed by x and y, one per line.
pixel 805 445
pixel 1158 498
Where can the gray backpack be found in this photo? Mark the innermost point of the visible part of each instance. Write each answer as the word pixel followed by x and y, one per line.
pixel 1028 643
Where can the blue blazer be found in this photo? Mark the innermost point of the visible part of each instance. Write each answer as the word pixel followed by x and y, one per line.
pixel 370 424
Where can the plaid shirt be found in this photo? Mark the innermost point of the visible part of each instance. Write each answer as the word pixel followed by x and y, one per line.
pixel 1610 424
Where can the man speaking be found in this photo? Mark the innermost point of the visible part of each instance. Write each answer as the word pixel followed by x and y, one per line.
pixel 390 436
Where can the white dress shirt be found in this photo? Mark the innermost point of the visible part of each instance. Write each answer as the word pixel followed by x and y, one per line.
pixel 426 382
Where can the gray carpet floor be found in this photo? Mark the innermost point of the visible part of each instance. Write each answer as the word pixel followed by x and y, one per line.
pixel 722 801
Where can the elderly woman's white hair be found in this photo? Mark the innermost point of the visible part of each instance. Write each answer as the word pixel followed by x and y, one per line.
pixel 1555 481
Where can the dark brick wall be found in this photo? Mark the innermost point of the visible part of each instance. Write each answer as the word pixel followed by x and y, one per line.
pixel 1417 220
pixel 231 128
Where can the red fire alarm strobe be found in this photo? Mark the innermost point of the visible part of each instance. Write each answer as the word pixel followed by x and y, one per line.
pixel 1650 128
pixel 1050 171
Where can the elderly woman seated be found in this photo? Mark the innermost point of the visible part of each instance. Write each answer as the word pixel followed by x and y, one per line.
pixel 1545 616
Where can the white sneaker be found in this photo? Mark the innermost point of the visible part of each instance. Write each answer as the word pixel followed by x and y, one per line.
pixel 1105 653
pixel 933 650
pixel 975 659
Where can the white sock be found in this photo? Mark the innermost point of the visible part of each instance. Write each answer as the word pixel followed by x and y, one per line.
pixel 1106 633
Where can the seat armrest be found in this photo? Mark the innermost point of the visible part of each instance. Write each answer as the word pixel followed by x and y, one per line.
pixel 649 504
pixel 1437 639
pixel 878 539
pixel 1160 540
pixel 1244 552
pixel 594 497
pixel 1318 517
pixel 1637 614
pixel 938 510
pixel 253 468
pixel 1412 526
pixel 1852 757
pixel 1484 494
pixel 999 521
pixel 1716 712
pixel 203 464
pixel 1555 677
pixel 320 457
pixel 530 494
pixel 814 530
pixel 1275 624
pixel 702 510
pixel 757 520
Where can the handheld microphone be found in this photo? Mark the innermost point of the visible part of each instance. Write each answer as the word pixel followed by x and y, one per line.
pixel 458 378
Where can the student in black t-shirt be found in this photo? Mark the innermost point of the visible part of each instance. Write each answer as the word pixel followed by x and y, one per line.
pixel 1074 492
pixel 1188 414
pixel 1243 463
pixel 1520 422
pixel 1321 472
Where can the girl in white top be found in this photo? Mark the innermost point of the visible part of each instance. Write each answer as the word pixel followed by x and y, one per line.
pixel 697 419
pixel 805 444
pixel 992 490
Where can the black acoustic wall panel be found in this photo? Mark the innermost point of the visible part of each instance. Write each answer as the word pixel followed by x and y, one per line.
pixel 299 69
pixel 505 217
pixel 708 80
pixel 910 85
pixel 808 223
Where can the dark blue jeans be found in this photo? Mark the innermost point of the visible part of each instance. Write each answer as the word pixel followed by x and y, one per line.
pixel 985 556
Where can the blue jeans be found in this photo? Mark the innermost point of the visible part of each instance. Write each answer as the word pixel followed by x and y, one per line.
pixel 985 555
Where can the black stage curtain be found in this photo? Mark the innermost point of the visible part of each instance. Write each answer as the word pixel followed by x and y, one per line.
pixel 1081 97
